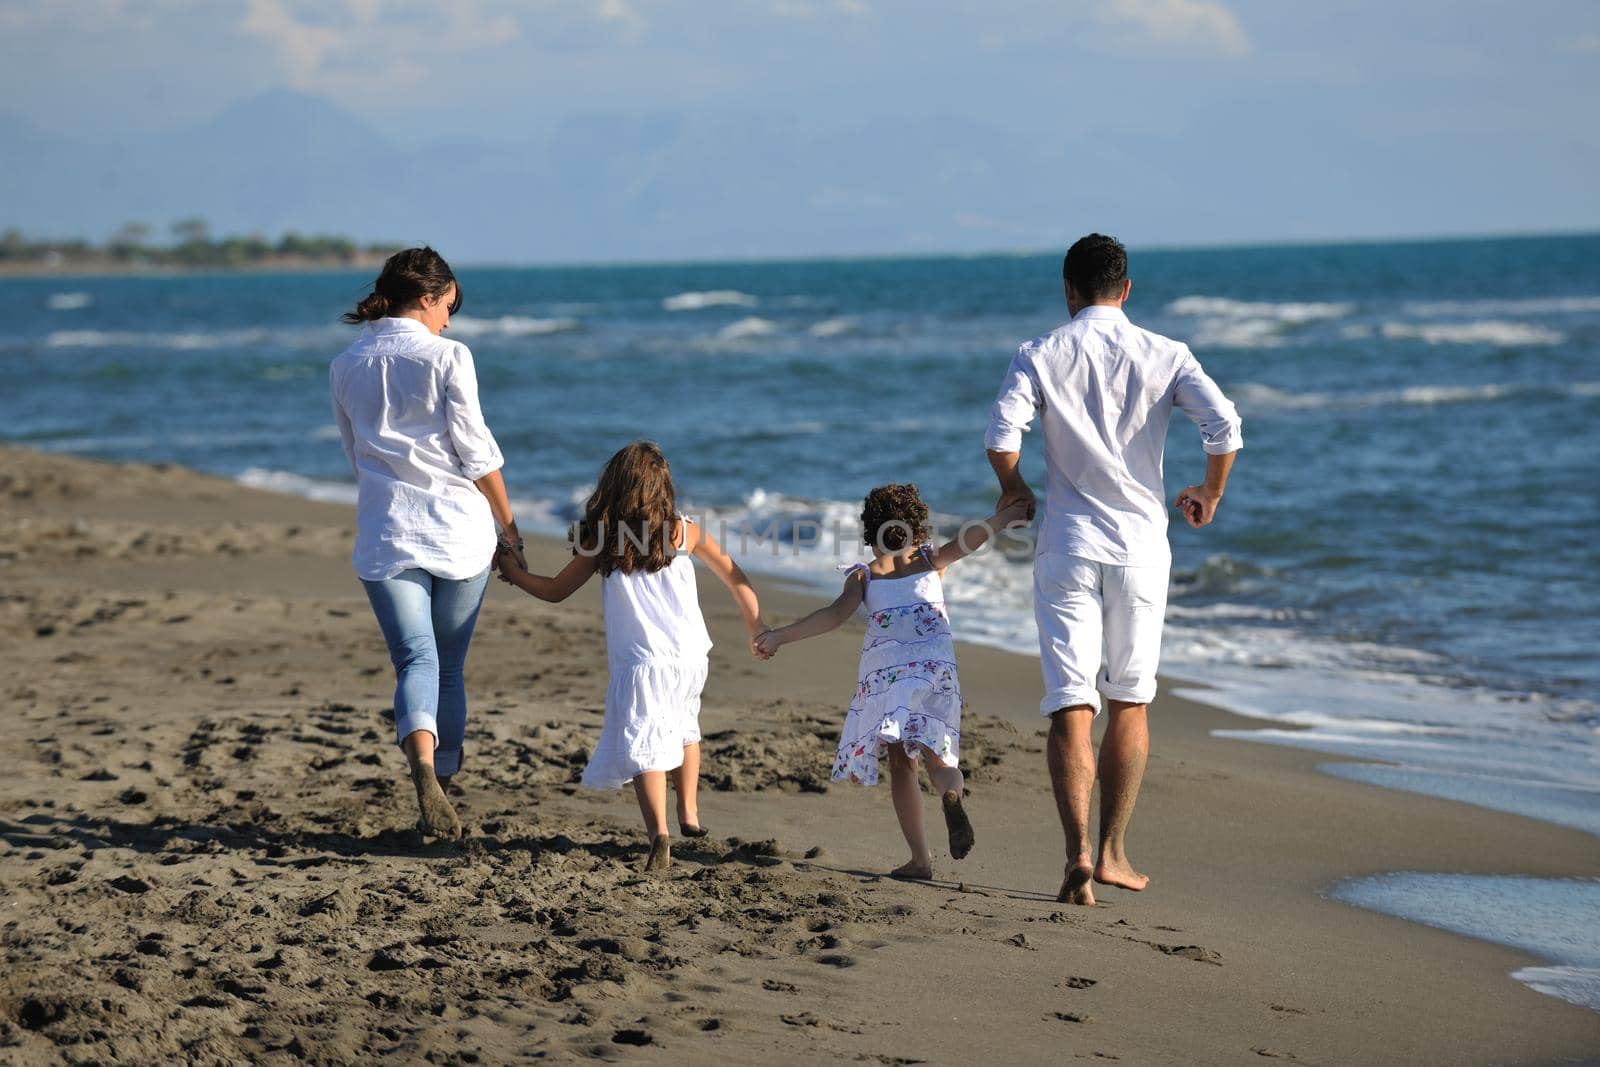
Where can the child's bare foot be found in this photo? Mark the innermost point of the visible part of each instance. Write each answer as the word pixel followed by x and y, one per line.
pixel 692 831
pixel 1075 887
pixel 960 827
pixel 437 817
pixel 660 854
pixel 913 872
pixel 1119 873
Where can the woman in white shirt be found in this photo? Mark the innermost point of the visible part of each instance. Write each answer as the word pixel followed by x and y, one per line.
pixel 430 495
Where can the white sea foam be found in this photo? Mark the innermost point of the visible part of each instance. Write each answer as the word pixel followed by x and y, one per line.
pixel 1554 305
pixel 319 337
pixel 1576 985
pixel 298 485
pixel 746 328
pixel 1225 323
pixel 696 300
pixel 68 301
pixel 1259 397
pixel 511 326
pixel 1504 334
pixel 1584 389
pixel 831 327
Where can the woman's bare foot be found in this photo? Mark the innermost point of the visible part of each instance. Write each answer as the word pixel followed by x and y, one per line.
pixel 913 871
pixel 660 854
pixel 959 826
pixel 437 817
pixel 1119 873
pixel 444 783
pixel 1075 887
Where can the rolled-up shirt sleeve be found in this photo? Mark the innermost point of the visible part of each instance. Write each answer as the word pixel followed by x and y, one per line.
pixel 475 446
pixel 1014 408
pixel 1198 397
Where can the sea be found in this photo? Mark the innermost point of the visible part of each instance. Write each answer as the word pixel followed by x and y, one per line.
pixel 1405 568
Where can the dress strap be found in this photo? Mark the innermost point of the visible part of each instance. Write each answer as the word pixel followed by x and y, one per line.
pixel 850 568
pixel 926 550
pixel 683 532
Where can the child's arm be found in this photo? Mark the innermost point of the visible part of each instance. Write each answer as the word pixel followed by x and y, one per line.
pixel 577 571
pixel 818 622
pixel 974 536
pixel 704 547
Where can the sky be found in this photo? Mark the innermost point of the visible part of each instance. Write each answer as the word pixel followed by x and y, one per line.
pixel 701 128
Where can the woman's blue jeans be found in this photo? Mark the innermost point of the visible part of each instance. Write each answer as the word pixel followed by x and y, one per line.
pixel 427 622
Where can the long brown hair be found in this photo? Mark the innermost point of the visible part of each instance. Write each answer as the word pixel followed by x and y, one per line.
pixel 627 522
pixel 407 277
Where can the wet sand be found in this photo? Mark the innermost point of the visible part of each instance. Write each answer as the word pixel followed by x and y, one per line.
pixel 208 853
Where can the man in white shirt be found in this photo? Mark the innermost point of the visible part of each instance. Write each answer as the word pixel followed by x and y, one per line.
pixel 1104 391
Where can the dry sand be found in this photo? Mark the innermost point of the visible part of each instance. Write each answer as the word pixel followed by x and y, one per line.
pixel 207 849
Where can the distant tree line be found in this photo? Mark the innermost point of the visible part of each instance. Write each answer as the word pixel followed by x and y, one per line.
pixel 191 245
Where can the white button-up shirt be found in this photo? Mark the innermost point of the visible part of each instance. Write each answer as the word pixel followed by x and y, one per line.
pixel 406 402
pixel 1104 390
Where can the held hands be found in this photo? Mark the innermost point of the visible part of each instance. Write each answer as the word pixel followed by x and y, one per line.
pixel 507 562
pixel 1018 495
pixel 1198 504
pixel 765 644
pixel 1017 513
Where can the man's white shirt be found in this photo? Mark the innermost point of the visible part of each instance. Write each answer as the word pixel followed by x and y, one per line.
pixel 1104 391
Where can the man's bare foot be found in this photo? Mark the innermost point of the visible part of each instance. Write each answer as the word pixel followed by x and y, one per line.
pixel 913 872
pixel 436 817
pixel 960 827
pixel 1075 887
pixel 1107 872
pixel 660 854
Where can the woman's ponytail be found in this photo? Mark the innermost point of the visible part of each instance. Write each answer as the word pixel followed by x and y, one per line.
pixel 407 277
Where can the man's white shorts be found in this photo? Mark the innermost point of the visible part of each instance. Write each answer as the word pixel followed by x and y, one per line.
pixel 1099 630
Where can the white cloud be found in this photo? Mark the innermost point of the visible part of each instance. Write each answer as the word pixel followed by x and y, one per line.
pixel 1197 25
pixel 323 44
pixel 1585 42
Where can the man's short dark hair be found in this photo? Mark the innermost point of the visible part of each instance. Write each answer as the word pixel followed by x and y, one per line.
pixel 1096 266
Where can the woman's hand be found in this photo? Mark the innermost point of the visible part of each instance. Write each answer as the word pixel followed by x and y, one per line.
pixel 510 543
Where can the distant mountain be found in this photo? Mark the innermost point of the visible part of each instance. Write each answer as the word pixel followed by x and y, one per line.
pixel 662 187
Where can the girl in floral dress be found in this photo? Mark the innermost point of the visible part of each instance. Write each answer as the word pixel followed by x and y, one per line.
pixel 908 698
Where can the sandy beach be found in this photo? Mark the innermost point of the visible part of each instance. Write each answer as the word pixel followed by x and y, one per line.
pixel 208 854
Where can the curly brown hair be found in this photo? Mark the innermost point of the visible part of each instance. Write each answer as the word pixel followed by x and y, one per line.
pixel 628 519
pixel 893 517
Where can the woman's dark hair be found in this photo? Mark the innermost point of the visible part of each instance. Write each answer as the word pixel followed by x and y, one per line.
pixel 1096 266
pixel 894 517
pixel 407 277
pixel 628 519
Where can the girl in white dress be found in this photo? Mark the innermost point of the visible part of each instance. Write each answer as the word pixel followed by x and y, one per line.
pixel 908 696
pixel 656 641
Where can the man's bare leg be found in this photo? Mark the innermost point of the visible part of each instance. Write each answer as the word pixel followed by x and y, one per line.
pixel 1123 752
pixel 1069 751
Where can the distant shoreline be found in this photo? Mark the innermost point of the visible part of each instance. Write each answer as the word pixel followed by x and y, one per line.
pixel 111 268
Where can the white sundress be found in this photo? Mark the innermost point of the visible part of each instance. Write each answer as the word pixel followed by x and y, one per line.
pixel 656 649
pixel 908 692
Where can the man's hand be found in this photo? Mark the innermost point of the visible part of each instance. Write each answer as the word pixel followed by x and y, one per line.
pixel 1198 503
pixel 766 644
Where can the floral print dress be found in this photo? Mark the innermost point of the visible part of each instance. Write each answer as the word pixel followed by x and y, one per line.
pixel 908 693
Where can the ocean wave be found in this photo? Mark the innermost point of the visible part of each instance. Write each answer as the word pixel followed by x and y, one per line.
pixel 512 326
pixel 1258 396
pixel 1291 312
pixel 1224 323
pixel 1500 333
pixel 831 327
pixel 274 481
pixel 1553 305
pixel 325 337
pixel 746 328
pixel 709 298
pixel 68 301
